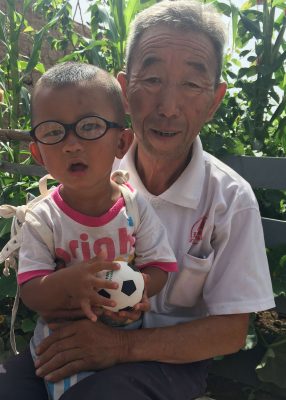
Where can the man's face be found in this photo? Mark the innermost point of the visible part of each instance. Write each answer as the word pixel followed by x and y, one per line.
pixel 171 90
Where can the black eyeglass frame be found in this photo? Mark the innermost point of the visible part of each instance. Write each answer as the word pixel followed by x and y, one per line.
pixel 72 127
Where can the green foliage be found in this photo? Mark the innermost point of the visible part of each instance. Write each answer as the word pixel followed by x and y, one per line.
pixel 109 27
pixel 15 72
pixel 25 319
pixel 272 366
pixel 251 119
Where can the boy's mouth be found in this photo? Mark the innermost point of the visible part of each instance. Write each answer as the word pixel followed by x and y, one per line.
pixel 78 167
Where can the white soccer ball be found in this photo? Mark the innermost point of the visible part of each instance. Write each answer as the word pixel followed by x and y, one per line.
pixel 130 289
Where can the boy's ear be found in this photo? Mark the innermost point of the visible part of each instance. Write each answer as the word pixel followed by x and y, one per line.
pixel 124 142
pixel 35 152
pixel 121 77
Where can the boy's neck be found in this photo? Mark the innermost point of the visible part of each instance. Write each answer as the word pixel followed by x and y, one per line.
pixel 93 203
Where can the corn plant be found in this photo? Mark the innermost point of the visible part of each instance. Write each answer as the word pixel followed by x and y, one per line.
pixel 252 119
pixel 15 71
pixel 109 26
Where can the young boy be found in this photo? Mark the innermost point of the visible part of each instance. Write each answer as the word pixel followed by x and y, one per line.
pixel 78 130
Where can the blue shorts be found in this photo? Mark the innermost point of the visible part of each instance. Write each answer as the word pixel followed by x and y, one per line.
pixel 130 381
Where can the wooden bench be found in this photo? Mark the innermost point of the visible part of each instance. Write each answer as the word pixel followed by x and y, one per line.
pixel 264 173
pixel 18 136
pixel 261 173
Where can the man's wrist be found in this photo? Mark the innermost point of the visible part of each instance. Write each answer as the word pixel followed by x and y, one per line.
pixel 134 346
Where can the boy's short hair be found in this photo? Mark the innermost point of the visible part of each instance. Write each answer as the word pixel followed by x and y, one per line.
pixel 73 73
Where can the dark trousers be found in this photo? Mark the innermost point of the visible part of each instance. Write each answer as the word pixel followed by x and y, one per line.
pixel 130 381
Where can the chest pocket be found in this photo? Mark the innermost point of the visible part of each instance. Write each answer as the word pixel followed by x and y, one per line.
pixel 188 286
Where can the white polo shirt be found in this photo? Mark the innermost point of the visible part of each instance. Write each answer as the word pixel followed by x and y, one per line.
pixel 214 227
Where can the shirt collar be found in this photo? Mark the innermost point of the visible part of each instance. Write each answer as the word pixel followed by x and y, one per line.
pixel 186 190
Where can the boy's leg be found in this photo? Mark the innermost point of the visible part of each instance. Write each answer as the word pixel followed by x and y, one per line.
pixel 18 379
pixel 143 381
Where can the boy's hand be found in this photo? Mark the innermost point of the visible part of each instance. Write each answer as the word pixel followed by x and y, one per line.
pixel 82 284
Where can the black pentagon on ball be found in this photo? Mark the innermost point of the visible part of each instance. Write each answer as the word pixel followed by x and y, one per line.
pixel 104 293
pixel 128 308
pixel 128 287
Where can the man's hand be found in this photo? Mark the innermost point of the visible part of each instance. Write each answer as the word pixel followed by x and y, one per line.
pixel 78 346
pixel 136 313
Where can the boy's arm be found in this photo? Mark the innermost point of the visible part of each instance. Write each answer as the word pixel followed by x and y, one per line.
pixel 157 281
pixel 69 288
pixel 49 292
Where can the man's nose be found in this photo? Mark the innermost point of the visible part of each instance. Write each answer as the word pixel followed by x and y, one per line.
pixel 169 101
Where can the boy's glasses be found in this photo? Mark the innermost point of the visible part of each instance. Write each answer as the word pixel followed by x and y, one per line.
pixel 87 128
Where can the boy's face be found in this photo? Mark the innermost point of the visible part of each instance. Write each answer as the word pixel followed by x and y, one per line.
pixel 75 162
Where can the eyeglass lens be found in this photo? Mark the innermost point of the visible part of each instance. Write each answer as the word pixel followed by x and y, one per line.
pixel 88 128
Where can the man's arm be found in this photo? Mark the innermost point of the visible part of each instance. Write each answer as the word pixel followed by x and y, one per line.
pixel 83 345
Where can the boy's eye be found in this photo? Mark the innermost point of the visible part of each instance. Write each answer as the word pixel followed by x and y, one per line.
pixel 91 126
pixel 53 133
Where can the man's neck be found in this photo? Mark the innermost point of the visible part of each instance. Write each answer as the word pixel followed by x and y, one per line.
pixel 158 174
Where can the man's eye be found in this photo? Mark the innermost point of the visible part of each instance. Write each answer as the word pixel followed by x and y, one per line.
pixel 192 85
pixel 152 80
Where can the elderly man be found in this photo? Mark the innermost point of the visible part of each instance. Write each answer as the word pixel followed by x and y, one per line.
pixel 172 88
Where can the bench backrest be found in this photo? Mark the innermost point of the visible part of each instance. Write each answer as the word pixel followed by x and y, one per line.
pixel 260 172
pixel 267 173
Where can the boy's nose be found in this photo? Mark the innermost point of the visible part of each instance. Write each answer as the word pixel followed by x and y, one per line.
pixel 72 142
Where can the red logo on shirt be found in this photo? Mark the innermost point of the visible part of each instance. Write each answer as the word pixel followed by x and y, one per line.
pixel 197 230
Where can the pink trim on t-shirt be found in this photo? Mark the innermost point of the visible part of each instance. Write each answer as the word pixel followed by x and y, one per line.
pixel 27 276
pixel 165 266
pixel 84 219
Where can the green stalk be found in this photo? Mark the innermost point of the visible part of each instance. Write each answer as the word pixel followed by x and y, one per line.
pixel 14 73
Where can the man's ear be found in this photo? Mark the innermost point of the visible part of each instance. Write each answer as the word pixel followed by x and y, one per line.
pixel 36 154
pixel 218 97
pixel 121 77
pixel 124 142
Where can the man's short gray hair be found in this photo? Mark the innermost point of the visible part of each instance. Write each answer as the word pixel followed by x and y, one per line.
pixel 183 15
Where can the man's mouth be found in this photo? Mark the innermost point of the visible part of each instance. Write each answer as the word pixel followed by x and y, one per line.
pixel 164 133
pixel 77 167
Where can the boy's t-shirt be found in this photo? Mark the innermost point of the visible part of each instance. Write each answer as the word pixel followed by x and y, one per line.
pixel 79 237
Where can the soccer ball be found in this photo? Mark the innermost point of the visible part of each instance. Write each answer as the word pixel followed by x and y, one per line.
pixel 130 289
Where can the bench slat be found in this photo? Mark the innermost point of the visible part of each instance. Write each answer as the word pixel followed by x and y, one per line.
pixel 260 172
pixel 22 169
pixel 267 173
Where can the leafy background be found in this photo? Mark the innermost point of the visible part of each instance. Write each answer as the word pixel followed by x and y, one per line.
pixel 250 121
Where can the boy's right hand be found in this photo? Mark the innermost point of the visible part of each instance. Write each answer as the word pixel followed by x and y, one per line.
pixel 82 285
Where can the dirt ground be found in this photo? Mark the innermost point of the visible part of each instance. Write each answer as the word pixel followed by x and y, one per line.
pixel 272 325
